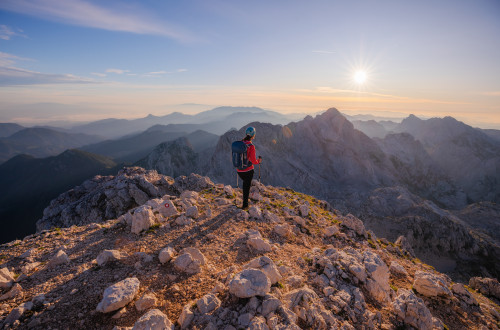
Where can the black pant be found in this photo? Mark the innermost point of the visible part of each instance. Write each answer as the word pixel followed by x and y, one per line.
pixel 247 182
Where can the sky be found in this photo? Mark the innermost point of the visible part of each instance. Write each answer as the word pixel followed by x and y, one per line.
pixel 82 60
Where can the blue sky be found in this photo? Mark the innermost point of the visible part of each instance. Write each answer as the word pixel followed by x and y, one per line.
pixel 84 60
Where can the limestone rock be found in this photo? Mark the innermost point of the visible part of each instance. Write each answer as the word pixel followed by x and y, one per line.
pixel 430 285
pixel 166 254
pixel 183 220
pixel 108 256
pixel 192 212
pixel 146 301
pixel 104 198
pixel 229 191
pixel 460 291
pixel 331 230
pixel 16 291
pixel 153 320
pixel 256 243
pixel 283 229
pixel 6 278
pixel 258 323
pixel 189 261
pixel 397 269
pixel 60 258
pixel 304 210
pixel 165 207
pixel 249 283
pixel 378 271
pixel 266 265
pixel 255 212
pixel 353 223
pixel 118 295
pixel 208 303
pixel 412 310
pixel 487 286
pixel 142 219
pixel 193 182
pixel 186 316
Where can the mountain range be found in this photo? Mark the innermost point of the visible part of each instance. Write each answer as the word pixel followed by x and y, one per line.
pixel 327 157
pixel 432 181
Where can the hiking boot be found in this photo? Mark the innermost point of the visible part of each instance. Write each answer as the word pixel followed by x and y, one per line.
pixel 244 207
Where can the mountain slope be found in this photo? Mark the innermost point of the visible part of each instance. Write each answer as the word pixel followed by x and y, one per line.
pixel 7 129
pixel 41 142
pixel 291 262
pixel 28 184
pixel 468 156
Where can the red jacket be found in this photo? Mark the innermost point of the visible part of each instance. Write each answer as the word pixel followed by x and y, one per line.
pixel 250 156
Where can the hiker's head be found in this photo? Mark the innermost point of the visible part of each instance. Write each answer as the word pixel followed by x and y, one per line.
pixel 250 132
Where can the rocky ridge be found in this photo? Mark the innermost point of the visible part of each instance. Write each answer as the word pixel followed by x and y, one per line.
pixel 191 259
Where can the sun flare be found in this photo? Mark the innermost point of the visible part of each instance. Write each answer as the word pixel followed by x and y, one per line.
pixel 360 77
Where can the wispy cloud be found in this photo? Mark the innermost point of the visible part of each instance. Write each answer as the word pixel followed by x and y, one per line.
pixel 10 76
pixel 6 32
pixel 7 59
pixel 117 71
pixel 98 74
pixel 83 13
pixel 323 52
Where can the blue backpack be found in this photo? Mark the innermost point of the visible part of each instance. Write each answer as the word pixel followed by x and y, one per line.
pixel 239 151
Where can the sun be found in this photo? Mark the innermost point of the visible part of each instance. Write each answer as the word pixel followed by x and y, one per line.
pixel 360 77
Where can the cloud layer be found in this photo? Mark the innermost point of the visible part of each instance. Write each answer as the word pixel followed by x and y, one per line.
pixel 83 13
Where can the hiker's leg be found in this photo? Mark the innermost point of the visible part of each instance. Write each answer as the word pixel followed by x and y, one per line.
pixel 247 182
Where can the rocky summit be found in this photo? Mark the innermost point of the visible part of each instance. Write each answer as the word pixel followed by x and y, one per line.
pixel 180 254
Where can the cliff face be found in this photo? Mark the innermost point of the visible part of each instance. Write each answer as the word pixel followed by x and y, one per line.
pixel 185 256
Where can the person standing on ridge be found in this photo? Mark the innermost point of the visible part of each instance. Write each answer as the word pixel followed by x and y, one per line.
pixel 247 174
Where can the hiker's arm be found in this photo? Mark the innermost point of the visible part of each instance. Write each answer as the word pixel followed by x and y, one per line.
pixel 251 155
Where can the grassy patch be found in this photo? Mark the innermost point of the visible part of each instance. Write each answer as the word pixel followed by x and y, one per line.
pixel 278 285
pixel 372 244
pixel 393 287
pixel 153 228
pixel 309 261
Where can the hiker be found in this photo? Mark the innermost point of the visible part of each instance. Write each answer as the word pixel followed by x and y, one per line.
pixel 247 174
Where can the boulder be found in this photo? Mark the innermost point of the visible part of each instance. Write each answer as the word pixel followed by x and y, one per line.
pixel 229 191
pixel 15 292
pixel 266 265
pixel 146 301
pixel 255 212
pixel 142 219
pixel 189 261
pixel 331 230
pixel 283 230
pixel 259 245
pixel 192 212
pixel 6 278
pixel 487 286
pixel 463 294
pixel 249 283
pixel 430 285
pixel 119 295
pixel 397 270
pixel 208 303
pixel 377 270
pixel 166 208
pixel 60 258
pixel 353 223
pixel 183 220
pixel 186 316
pixel 108 256
pixel 193 182
pixel 258 323
pixel 411 310
pixel 153 320
pixel 166 254
pixel 304 210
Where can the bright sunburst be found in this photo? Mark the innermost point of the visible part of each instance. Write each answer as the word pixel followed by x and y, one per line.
pixel 360 77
